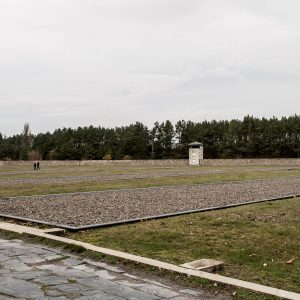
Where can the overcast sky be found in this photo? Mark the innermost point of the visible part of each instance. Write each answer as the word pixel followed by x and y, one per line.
pixel 70 63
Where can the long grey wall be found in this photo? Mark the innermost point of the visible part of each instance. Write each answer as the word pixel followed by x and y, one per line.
pixel 163 163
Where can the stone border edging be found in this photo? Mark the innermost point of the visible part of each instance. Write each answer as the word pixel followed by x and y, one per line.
pixel 154 263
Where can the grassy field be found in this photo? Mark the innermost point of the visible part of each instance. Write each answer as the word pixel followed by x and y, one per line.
pixel 228 174
pixel 50 171
pixel 254 241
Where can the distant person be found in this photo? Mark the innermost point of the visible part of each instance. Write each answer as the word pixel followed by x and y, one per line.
pixel 38 165
pixel 34 166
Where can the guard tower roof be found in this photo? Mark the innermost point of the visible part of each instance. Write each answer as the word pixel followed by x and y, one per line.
pixel 195 144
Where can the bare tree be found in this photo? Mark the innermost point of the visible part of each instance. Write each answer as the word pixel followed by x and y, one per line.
pixel 26 141
pixel 26 130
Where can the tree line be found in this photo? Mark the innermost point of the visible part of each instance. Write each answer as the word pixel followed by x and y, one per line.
pixel 248 138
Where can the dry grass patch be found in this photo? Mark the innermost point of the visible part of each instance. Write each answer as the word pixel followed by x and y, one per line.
pixel 236 174
pixel 254 241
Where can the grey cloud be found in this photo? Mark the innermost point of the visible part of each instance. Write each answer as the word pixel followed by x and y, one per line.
pixel 71 63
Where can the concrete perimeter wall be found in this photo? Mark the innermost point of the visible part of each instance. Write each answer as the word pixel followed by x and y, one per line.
pixel 163 162
pixel 254 161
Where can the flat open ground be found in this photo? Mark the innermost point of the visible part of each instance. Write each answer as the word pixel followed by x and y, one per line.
pixel 128 192
pixel 254 241
pixel 258 242
pixel 83 209
pixel 20 180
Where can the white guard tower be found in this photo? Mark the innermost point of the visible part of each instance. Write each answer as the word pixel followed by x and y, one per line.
pixel 195 153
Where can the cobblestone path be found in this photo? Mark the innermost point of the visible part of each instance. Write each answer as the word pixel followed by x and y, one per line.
pixel 30 271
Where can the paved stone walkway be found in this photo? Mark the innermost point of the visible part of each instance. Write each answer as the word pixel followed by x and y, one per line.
pixel 30 271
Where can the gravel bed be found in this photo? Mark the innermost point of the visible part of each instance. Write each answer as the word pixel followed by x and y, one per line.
pixel 111 206
pixel 115 177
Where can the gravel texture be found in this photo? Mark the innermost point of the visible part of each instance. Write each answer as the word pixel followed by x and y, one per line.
pixel 111 206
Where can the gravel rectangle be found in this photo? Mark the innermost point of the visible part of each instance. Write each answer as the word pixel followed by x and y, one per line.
pixel 82 209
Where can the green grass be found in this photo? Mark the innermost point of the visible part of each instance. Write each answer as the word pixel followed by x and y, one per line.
pixel 245 238
pixel 26 171
pixel 61 171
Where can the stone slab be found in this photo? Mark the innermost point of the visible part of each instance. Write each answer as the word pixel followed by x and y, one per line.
pixel 207 265
pixel 19 288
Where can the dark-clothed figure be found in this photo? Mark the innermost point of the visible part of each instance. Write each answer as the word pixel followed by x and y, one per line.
pixel 38 165
pixel 34 166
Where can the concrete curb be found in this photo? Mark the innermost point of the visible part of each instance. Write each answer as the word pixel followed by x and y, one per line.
pixel 154 263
